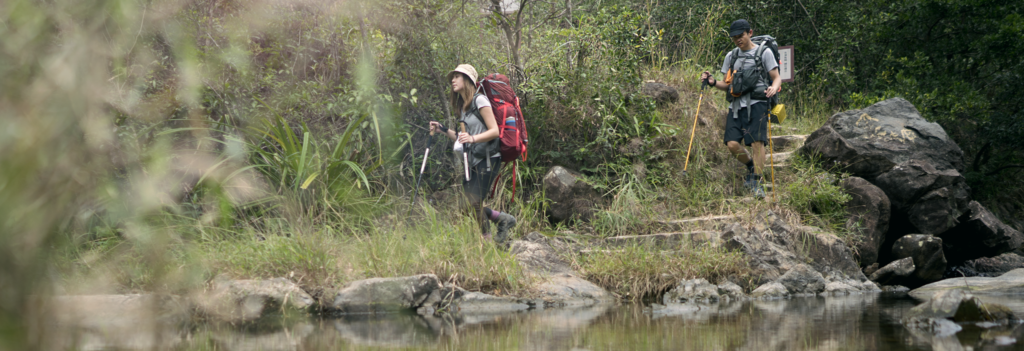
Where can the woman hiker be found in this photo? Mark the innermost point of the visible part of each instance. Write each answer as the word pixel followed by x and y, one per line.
pixel 480 138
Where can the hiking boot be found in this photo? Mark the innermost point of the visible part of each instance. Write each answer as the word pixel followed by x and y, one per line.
pixel 749 182
pixel 758 189
pixel 505 223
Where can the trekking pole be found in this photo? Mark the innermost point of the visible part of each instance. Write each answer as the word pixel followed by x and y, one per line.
pixel 430 142
pixel 771 155
pixel 703 84
pixel 465 153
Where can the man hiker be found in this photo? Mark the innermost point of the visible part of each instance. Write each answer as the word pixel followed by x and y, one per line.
pixel 748 110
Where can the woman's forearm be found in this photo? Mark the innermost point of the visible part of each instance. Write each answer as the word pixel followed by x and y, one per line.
pixel 486 136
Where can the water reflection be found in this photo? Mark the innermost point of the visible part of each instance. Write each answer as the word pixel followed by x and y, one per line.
pixel 858 322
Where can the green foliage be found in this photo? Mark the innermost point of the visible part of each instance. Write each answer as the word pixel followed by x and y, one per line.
pixel 449 246
pixel 312 261
pixel 817 196
pixel 585 112
pixel 329 175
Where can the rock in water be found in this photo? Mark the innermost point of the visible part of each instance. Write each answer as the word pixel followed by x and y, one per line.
pixel 960 306
pixel 1009 284
pixel 692 291
pixel 246 300
pixel 926 251
pixel 381 295
pixel 729 291
pixel 771 290
pixel 894 273
pixel 803 280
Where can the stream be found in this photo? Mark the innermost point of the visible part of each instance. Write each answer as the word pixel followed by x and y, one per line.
pixel 857 322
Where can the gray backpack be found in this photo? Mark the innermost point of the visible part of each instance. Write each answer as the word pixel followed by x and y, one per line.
pixel 756 80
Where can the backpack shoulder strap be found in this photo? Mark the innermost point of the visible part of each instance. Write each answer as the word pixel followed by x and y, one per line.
pixel 733 56
pixel 760 61
pixel 476 110
pixel 758 52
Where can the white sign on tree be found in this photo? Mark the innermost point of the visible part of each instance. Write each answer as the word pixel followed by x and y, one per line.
pixel 786 63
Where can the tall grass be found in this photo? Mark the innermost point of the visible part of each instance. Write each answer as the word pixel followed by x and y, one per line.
pixel 637 272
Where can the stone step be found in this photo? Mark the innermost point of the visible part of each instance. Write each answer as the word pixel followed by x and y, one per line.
pixel 779 159
pixel 665 240
pixel 790 142
pixel 698 223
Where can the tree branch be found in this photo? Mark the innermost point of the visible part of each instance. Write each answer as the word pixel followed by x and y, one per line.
pixel 1003 168
pixel 982 155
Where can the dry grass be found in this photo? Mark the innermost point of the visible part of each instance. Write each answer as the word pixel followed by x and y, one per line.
pixel 637 272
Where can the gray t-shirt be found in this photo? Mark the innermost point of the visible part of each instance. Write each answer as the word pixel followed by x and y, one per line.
pixel 746 61
pixel 475 126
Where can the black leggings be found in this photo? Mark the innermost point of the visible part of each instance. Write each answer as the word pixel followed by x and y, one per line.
pixel 478 187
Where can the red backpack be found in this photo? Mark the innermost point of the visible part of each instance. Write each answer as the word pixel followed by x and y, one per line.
pixel 511 124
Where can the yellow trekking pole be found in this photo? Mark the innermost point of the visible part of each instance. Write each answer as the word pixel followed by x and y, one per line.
pixel 778 112
pixel 703 84
pixel 771 157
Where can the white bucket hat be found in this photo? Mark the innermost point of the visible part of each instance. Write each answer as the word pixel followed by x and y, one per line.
pixel 466 69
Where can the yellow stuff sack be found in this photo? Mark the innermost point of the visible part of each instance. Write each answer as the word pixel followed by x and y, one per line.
pixel 778 114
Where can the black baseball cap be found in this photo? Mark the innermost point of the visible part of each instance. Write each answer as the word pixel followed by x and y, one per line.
pixel 738 27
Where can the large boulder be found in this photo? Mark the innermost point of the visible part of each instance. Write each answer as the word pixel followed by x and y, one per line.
pixel 979 234
pixel 765 257
pixel 773 290
pixel 662 93
pixel 871 141
pixel 932 199
pixel 555 283
pixel 692 291
pixel 869 210
pixel 826 253
pixel 926 251
pixel 802 280
pixel 995 266
pixel 919 168
pixel 382 295
pixel 569 290
pixel 571 196
pixel 729 291
pixel 773 247
pixel 960 306
pixel 1009 284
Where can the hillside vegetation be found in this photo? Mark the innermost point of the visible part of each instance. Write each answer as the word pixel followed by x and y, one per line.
pixel 149 146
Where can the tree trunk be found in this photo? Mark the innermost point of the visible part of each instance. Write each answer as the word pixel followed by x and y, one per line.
pixel 513 36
